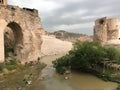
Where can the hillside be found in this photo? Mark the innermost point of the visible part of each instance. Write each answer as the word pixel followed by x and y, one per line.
pixel 69 36
pixel 52 46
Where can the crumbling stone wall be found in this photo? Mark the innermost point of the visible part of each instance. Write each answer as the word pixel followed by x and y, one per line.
pixel 106 29
pixel 3 2
pixel 26 27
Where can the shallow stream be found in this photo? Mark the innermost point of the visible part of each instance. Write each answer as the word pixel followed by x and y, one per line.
pixel 76 81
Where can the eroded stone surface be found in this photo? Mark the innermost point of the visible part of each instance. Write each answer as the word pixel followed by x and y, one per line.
pixel 106 29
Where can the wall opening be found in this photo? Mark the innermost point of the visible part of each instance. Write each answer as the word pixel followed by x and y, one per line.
pixel 13 39
pixel 101 21
pixel 1 1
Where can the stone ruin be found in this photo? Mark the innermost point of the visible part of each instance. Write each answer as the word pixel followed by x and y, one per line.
pixel 25 25
pixel 106 31
pixel 3 2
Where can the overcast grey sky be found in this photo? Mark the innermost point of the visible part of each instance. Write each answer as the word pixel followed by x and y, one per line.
pixel 71 15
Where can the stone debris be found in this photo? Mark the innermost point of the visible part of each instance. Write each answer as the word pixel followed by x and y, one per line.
pixel 29 82
pixel 66 78
pixel 67 72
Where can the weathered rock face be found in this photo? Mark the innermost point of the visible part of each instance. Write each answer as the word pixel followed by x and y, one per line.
pixel 26 27
pixel 106 29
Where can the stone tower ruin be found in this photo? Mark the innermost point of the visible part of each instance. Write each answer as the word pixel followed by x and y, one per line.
pixel 106 29
pixel 26 27
pixel 3 2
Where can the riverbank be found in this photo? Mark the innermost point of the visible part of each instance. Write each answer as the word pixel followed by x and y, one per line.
pixel 22 78
pixel 76 81
pixel 105 76
pixel 48 79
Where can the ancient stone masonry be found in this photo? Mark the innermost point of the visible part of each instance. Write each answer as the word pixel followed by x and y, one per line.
pixel 3 2
pixel 26 27
pixel 106 29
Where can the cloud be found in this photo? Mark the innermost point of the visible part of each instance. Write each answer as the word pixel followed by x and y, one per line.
pixel 71 15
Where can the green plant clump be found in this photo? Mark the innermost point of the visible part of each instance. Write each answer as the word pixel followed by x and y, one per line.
pixel 86 55
pixel 61 64
pixel 118 88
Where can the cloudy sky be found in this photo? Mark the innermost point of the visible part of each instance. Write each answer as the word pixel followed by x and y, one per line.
pixel 71 15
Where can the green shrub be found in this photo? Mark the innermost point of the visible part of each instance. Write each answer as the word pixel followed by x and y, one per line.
pixel 113 54
pixel 86 55
pixel 61 64
pixel 11 62
pixel 1 66
pixel 10 67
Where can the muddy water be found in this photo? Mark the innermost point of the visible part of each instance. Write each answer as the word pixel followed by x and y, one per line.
pixel 76 81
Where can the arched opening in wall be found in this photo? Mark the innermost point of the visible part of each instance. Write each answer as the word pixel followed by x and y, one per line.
pixel 13 39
